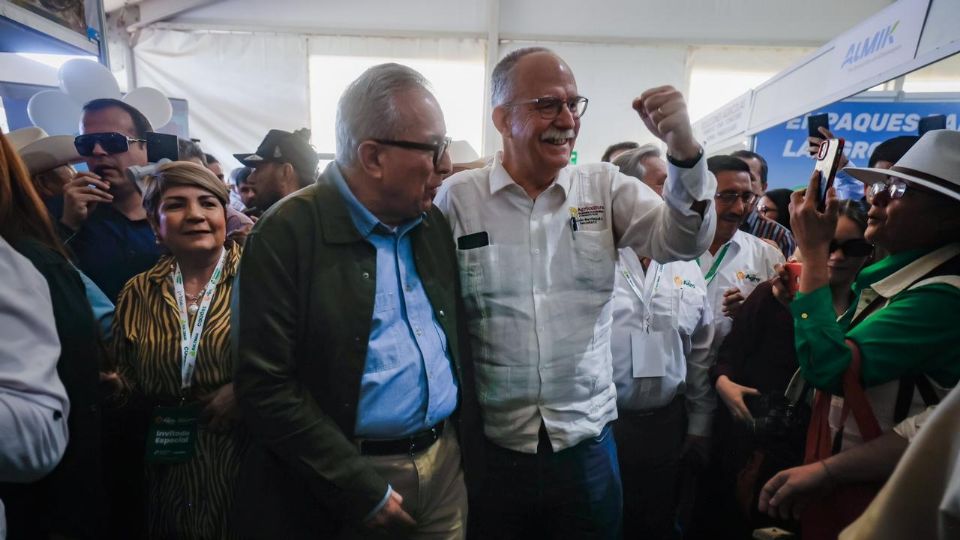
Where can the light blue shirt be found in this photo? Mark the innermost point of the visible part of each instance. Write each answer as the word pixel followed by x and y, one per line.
pixel 847 186
pixel 408 383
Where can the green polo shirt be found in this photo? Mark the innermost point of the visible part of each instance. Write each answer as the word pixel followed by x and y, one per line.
pixel 915 332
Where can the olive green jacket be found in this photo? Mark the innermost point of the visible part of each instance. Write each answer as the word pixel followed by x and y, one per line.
pixel 302 312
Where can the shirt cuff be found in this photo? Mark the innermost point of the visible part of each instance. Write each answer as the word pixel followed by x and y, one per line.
pixel 813 309
pixel 380 505
pixel 687 186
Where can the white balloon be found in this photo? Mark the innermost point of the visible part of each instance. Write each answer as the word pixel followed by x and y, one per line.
pixel 55 112
pixel 85 80
pixel 152 103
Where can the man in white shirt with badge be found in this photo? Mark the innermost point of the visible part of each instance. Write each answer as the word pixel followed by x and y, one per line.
pixel 737 261
pixel 537 244
pixel 660 343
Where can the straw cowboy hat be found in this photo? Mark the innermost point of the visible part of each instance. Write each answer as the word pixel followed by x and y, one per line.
pixel 933 162
pixel 42 152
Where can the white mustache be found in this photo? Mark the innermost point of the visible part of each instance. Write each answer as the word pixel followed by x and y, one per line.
pixel 554 133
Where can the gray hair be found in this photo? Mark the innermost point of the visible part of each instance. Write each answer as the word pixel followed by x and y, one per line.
pixel 501 82
pixel 367 109
pixel 630 162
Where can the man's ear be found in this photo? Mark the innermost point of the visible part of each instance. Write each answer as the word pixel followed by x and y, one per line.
pixel 370 159
pixel 500 117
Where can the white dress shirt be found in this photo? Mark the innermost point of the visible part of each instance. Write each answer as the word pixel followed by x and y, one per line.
pixel 33 401
pixel 661 338
pixel 748 262
pixel 538 288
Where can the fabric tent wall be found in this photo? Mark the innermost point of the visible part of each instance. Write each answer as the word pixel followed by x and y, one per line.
pixel 611 76
pixel 238 85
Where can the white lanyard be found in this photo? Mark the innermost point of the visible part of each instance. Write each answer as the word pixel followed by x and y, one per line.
pixel 190 341
pixel 645 314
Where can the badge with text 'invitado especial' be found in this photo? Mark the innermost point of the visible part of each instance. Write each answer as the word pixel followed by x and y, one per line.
pixel 172 435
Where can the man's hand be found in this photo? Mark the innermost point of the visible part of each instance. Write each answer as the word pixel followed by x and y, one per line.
pixel 391 517
pixel 780 286
pixel 790 491
pixel 80 197
pixel 220 411
pixel 732 395
pixel 732 301
pixel 664 112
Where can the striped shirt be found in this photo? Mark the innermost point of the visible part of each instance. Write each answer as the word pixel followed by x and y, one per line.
pixel 770 230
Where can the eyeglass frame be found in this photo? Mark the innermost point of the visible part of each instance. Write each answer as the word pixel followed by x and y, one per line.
pixel 98 138
pixel 725 197
pixel 438 148
pixel 763 209
pixel 895 188
pixel 545 110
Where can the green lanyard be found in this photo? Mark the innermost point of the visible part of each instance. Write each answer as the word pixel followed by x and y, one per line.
pixel 712 273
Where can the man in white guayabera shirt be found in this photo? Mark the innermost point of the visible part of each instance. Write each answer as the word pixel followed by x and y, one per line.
pixel 537 243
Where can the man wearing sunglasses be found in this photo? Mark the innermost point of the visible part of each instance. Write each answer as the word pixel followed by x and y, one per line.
pixel 348 368
pixel 101 216
pixel 537 242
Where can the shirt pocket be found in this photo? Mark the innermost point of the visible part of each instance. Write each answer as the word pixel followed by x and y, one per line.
pixel 384 350
pixel 690 311
pixel 478 275
pixel 594 258
pixel 664 310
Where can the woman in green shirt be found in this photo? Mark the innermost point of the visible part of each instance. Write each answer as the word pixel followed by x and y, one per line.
pixel 902 319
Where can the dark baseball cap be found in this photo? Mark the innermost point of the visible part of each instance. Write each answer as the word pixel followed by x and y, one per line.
pixel 284 147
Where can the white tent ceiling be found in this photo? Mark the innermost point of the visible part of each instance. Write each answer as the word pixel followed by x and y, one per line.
pixel 766 22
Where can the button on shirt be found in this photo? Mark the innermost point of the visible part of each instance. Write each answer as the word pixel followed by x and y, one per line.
pixel 747 262
pixel 408 383
pixel 661 338
pixel 538 292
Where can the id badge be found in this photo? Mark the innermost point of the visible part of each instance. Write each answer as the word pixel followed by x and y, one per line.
pixel 172 435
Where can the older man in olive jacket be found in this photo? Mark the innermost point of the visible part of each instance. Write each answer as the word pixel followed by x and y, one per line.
pixel 350 371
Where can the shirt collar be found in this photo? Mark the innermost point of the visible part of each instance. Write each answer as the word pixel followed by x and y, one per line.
pixel 907 268
pixel 500 178
pixel 363 219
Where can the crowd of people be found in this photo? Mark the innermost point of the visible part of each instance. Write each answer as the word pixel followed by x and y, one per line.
pixel 399 346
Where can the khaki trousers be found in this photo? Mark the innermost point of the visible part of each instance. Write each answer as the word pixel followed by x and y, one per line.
pixel 433 491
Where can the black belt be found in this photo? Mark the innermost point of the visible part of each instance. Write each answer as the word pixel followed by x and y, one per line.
pixel 407 445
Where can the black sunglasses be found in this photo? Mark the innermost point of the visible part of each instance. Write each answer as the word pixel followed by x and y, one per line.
pixel 112 143
pixel 438 148
pixel 852 248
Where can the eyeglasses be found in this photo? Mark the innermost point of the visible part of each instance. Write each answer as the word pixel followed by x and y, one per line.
pixel 893 187
pixel 763 209
pixel 852 248
pixel 438 148
pixel 112 143
pixel 550 107
pixel 730 197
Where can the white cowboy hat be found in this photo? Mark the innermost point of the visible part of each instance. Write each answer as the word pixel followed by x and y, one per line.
pixel 933 162
pixel 42 152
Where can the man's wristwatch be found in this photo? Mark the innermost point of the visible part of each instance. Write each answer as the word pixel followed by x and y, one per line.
pixel 687 163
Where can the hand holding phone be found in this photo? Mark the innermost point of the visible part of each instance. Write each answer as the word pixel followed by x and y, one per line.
pixel 828 163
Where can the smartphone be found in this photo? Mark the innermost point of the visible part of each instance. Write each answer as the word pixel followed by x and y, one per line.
pixel 930 123
pixel 828 160
pixel 815 122
pixel 160 146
